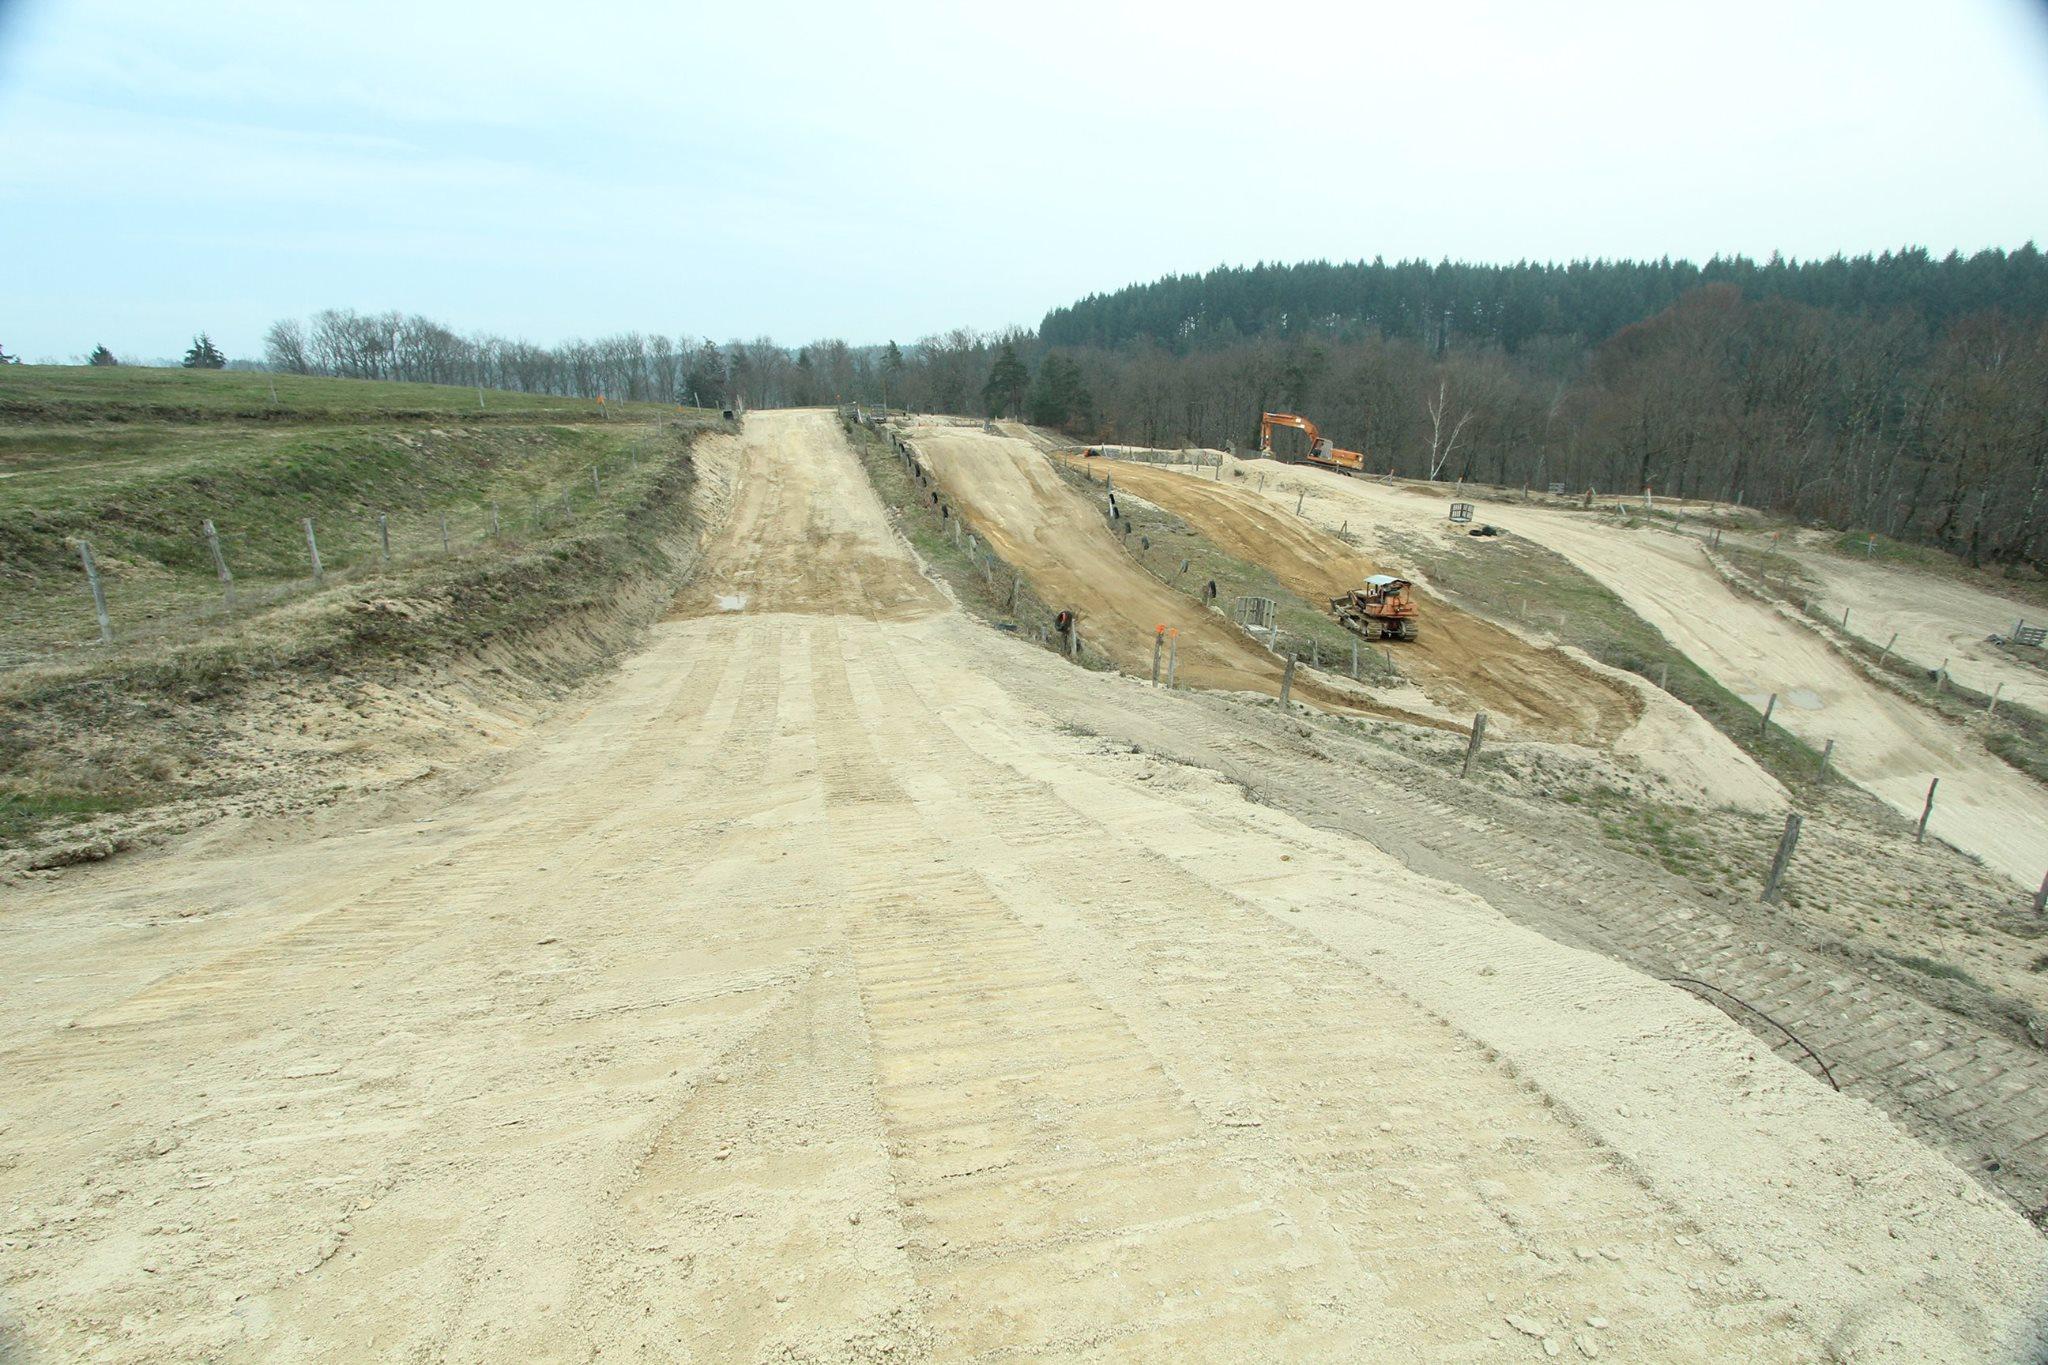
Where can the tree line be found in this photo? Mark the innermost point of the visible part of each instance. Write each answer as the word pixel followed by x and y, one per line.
pixel 1856 420
pixel 1898 394
pixel 1510 306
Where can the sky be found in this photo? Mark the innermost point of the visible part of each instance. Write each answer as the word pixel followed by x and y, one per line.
pixel 878 172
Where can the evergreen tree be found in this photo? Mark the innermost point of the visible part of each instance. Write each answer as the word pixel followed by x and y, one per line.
pixel 1003 394
pixel 204 355
pixel 1059 396
pixel 102 356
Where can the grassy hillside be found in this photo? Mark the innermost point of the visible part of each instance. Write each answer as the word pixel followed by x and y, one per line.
pixel 134 462
pixel 71 393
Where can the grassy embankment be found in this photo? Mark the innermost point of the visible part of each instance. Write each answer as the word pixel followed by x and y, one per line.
pixel 134 461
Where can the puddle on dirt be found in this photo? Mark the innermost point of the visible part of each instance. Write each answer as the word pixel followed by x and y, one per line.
pixel 732 602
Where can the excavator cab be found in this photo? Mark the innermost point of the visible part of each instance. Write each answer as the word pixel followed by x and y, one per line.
pixel 1381 609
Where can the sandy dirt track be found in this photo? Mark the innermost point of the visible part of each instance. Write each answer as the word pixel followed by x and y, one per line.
pixel 1935 619
pixel 1013 496
pixel 1539 693
pixel 1885 742
pixel 812 993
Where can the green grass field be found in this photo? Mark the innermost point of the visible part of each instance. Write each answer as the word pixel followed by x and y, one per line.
pixel 70 393
pixel 140 488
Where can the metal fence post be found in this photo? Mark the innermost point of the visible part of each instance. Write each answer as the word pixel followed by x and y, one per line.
pixel 444 533
pixel 313 548
pixel 384 535
pixel 99 593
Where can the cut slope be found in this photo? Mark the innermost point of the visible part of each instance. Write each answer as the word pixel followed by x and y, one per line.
pixel 1538 692
pixel 1012 494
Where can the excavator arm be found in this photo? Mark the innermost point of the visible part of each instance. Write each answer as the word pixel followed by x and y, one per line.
pixel 1269 420
pixel 1320 451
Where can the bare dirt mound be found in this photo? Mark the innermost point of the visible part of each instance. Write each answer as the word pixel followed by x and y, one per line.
pixel 807 534
pixel 1013 496
pixel 1540 692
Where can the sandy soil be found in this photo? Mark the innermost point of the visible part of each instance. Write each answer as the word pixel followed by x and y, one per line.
pixel 1013 497
pixel 1535 692
pixel 1885 742
pixel 813 994
pixel 1935 619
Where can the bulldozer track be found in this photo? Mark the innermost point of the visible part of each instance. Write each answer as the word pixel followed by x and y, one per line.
pixel 1981 1096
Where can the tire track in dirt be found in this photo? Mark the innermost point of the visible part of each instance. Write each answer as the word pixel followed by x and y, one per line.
pixel 1981 1096
pixel 1346 1108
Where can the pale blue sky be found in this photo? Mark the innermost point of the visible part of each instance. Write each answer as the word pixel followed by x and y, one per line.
pixel 877 171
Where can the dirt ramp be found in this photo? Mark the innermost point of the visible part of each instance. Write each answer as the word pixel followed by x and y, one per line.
pixel 806 533
pixel 1013 496
pixel 1459 659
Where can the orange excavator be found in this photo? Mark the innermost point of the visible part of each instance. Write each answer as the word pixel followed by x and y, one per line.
pixel 1321 450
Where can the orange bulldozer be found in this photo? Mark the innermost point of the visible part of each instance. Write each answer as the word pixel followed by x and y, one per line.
pixel 1381 609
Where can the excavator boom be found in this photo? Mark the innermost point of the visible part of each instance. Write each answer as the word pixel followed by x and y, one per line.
pixel 1320 451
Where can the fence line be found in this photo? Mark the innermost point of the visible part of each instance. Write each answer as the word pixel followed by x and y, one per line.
pixel 320 537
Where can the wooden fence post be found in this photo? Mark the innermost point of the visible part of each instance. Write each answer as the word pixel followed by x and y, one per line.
pixel 1886 653
pixel 1787 841
pixel 2041 897
pixel 495 529
pixel 1991 707
pixel 1158 651
pixel 444 533
pixel 99 593
pixel 220 562
pixel 1827 754
pixel 1472 745
pixel 384 534
pixel 1172 658
pixel 1287 681
pixel 1920 834
pixel 1764 730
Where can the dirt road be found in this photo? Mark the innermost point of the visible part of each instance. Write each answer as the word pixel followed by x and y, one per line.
pixel 1936 620
pixel 813 992
pixel 1885 742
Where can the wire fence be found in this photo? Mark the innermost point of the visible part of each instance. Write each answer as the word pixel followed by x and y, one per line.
pixel 131 611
